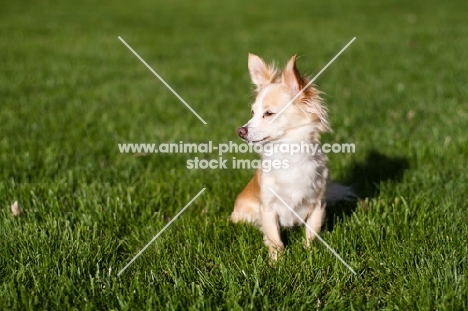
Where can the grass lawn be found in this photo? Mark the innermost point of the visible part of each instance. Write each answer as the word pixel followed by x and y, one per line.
pixel 70 92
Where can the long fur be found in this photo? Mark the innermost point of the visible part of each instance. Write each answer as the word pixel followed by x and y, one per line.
pixel 302 184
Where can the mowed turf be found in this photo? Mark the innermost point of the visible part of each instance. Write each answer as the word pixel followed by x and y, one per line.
pixel 70 92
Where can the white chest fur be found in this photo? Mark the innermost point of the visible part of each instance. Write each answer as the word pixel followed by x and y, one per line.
pixel 301 185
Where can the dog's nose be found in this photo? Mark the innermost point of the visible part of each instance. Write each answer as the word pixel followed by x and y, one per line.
pixel 242 131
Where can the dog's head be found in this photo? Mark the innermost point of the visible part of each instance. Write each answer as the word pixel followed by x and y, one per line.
pixel 283 106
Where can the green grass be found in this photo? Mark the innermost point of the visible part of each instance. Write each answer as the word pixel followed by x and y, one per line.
pixel 70 91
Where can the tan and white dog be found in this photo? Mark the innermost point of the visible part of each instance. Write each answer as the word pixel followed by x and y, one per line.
pixel 303 184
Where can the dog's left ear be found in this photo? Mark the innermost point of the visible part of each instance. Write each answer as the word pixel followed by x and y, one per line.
pixel 291 76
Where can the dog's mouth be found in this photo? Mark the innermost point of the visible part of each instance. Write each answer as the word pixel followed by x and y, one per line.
pixel 258 141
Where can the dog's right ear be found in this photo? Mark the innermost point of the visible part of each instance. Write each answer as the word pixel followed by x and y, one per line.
pixel 260 73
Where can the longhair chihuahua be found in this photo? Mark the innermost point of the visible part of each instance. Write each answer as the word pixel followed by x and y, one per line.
pixel 277 122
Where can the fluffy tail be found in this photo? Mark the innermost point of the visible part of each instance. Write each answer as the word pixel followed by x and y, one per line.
pixel 337 193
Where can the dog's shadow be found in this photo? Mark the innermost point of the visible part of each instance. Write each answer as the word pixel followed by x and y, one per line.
pixel 365 178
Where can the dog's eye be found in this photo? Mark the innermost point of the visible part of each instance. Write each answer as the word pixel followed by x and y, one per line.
pixel 252 113
pixel 268 113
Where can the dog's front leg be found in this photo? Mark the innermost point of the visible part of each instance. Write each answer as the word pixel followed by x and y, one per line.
pixel 315 222
pixel 271 231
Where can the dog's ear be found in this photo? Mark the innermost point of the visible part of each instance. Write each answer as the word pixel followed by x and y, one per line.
pixel 310 100
pixel 260 73
pixel 291 76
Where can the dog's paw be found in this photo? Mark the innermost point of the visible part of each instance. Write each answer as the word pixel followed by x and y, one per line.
pixel 242 217
pixel 274 252
pixel 274 255
pixel 307 243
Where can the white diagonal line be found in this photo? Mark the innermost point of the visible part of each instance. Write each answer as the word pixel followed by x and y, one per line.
pixel 160 232
pixel 162 80
pixel 315 233
pixel 311 81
